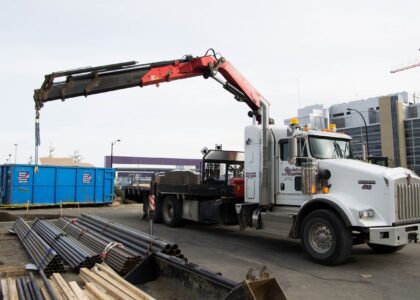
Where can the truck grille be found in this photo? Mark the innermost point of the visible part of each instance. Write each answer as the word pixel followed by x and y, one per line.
pixel 407 202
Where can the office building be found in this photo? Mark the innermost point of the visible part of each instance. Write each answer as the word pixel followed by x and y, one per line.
pixel 392 123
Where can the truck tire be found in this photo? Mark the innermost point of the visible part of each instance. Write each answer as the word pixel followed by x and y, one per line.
pixel 158 210
pixel 325 238
pixel 172 211
pixel 383 249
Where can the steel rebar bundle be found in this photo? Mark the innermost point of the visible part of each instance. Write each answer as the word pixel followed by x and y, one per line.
pixel 45 257
pixel 131 238
pixel 74 253
pixel 121 259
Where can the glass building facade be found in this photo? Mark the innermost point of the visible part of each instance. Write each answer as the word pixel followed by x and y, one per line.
pixel 392 122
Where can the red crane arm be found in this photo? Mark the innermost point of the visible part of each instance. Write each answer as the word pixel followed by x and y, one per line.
pixel 201 67
pixel 101 79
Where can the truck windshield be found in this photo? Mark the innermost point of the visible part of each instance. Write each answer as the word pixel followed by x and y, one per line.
pixel 325 147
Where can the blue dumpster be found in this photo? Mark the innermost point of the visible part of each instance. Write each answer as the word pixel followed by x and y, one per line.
pixel 53 185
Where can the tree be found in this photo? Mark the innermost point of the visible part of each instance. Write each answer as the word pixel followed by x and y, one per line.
pixel 76 156
pixel 51 150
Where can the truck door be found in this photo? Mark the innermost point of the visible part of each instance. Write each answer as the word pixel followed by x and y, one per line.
pixel 290 185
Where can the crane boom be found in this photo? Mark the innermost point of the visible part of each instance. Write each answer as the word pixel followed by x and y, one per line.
pixel 411 66
pixel 102 79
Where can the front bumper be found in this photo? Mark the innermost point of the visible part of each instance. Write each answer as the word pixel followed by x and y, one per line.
pixel 394 236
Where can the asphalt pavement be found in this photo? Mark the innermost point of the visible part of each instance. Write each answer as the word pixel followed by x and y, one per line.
pixel 225 249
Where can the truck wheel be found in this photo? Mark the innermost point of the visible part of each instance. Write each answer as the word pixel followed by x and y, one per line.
pixel 158 210
pixel 325 238
pixel 172 211
pixel 385 248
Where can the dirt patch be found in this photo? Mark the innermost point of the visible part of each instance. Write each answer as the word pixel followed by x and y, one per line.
pixel 165 290
pixel 6 217
pixel 12 252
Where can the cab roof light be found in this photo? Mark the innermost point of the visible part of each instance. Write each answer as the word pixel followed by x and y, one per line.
pixel 294 121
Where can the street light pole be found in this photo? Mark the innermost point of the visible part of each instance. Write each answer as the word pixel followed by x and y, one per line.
pixel 112 150
pixel 16 146
pixel 366 131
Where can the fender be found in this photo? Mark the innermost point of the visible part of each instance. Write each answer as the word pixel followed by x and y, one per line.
pixel 312 205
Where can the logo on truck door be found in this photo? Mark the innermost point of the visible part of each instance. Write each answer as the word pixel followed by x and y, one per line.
pixel 291 171
pixel 251 175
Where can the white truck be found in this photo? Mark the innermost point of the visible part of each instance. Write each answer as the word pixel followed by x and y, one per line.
pixel 298 183
pixel 323 197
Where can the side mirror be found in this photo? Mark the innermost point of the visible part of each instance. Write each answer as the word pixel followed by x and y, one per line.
pixel 292 150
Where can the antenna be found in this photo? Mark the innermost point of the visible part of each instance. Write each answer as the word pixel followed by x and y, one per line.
pixel 298 91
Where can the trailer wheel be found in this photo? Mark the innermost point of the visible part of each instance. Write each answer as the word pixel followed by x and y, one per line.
pixel 383 249
pixel 172 211
pixel 325 238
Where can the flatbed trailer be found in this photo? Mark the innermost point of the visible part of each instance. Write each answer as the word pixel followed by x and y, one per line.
pixel 206 197
pixel 137 193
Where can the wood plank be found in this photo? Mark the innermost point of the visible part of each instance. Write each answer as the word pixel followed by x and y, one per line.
pixel 115 283
pixel 62 284
pixel 110 289
pixel 77 290
pixel 65 287
pixel 87 279
pixel 57 291
pixel 104 266
pixel 92 288
pixel 133 292
pixel 13 271
pixel 89 295
pixel 106 269
pixel 45 293
pixel 13 293
pixel 5 289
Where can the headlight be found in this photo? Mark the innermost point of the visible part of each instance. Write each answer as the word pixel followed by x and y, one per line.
pixel 366 213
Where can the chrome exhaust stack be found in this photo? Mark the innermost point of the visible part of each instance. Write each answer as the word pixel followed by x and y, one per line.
pixel 267 193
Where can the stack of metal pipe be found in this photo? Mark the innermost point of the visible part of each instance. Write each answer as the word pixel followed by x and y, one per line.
pixel 131 238
pixel 74 253
pixel 28 289
pixel 45 257
pixel 118 257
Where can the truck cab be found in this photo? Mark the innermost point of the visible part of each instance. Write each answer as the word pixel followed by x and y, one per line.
pixel 322 196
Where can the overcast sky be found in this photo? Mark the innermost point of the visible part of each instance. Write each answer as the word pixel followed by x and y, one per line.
pixel 338 51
